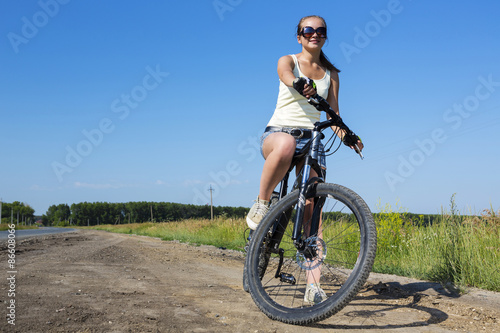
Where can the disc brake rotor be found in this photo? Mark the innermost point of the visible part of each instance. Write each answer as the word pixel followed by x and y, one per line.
pixel 314 245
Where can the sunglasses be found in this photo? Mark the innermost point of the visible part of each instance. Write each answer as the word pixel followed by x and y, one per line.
pixel 308 32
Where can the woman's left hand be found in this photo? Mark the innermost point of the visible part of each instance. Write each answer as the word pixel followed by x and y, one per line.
pixel 359 146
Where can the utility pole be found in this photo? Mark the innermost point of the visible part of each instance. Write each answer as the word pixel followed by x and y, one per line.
pixel 0 210
pixel 211 203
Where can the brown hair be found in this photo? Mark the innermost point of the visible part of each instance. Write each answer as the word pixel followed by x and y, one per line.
pixel 322 57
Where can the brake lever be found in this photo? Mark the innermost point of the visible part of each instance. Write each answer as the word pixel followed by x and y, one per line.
pixel 358 151
pixel 351 140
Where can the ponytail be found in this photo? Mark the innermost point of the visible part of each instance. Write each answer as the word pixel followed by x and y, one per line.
pixel 326 63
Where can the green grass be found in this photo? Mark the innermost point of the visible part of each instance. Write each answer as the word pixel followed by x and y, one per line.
pixel 461 250
pixel 5 226
pixel 220 232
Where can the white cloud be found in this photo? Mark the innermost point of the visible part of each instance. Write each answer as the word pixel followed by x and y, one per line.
pixel 191 182
pixel 37 187
pixel 98 186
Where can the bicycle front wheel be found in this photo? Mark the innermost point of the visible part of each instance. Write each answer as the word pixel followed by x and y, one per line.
pixel 338 257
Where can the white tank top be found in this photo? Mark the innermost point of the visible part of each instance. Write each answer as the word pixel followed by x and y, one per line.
pixel 292 109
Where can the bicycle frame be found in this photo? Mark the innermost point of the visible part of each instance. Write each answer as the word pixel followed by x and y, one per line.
pixel 304 184
pixel 311 160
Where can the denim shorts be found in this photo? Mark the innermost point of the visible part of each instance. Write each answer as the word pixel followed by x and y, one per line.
pixel 300 143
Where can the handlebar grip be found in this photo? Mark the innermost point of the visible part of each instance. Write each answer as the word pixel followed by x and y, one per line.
pixel 300 82
pixel 350 139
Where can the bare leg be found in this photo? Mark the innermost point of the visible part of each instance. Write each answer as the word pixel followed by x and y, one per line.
pixel 312 275
pixel 278 149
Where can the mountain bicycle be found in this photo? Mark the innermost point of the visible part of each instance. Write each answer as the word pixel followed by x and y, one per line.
pixel 319 231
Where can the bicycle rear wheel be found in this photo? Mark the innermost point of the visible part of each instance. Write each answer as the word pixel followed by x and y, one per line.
pixel 339 256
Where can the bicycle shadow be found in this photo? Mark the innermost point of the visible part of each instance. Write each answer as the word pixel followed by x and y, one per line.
pixel 424 287
pixel 391 306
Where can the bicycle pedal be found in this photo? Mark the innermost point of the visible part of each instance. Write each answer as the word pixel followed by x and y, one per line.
pixel 287 278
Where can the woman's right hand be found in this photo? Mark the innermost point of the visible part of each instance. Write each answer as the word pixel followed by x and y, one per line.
pixel 308 91
pixel 304 87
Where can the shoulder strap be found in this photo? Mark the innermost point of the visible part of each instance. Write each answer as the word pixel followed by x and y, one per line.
pixel 296 61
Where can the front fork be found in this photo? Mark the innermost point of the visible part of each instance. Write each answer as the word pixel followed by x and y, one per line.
pixel 301 205
pixel 301 208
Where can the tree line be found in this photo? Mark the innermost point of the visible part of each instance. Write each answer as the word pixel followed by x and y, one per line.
pixel 87 213
pixel 94 213
pixel 17 212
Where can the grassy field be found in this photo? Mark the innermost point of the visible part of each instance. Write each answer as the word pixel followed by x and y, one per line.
pixel 462 250
pixel 5 226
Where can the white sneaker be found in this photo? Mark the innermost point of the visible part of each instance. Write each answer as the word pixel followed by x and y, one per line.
pixel 257 213
pixel 314 294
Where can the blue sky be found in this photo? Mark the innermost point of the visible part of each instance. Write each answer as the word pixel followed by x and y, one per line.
pixel 123 101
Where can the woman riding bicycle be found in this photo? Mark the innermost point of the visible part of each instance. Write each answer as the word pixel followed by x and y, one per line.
pixel 290 126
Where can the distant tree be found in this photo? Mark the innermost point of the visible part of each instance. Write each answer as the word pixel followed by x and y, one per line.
pixel 57 215
pixel 17 210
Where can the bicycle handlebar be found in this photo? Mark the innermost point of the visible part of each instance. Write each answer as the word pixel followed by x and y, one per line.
pixel 350 139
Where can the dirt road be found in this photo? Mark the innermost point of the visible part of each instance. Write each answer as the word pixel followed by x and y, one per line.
pixel 94 281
